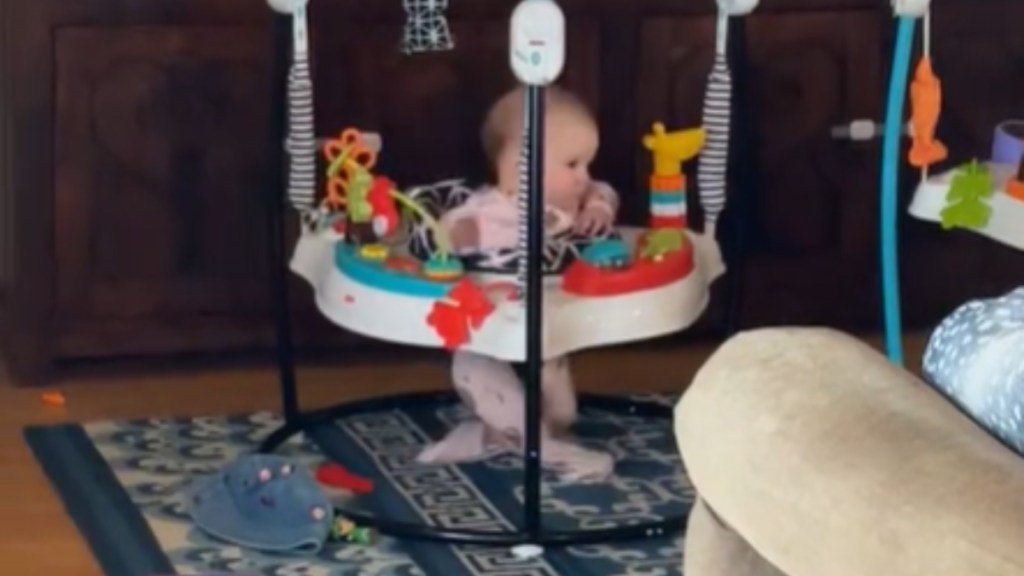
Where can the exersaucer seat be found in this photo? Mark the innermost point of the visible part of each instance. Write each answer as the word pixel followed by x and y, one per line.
pixel 591 298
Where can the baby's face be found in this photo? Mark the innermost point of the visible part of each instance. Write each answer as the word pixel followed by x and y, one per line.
pixel 570 144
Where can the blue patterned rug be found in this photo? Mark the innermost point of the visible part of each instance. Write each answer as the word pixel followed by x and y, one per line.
pixel 121 483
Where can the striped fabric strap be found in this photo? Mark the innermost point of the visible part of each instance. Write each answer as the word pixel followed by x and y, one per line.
pixel 301 144
pixel 523 201
pixel 713 162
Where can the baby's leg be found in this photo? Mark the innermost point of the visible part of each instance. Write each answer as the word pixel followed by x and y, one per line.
pixel 474 377
pixel 559 395
pixel 491 389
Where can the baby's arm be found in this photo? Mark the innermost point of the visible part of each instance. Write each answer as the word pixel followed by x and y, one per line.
pixel 460 224
pixel 485 221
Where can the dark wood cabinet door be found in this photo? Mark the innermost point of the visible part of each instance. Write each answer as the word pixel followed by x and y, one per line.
pixel 812 233
pixel 979 56
pixel 160 194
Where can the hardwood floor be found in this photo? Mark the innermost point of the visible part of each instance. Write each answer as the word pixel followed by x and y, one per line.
pixel 38 538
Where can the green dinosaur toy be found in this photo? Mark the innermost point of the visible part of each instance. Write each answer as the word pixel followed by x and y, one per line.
pixel 965 201
pixel 663 241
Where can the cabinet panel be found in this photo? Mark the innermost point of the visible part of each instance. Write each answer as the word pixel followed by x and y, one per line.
pixel 812 234
pixel 159 186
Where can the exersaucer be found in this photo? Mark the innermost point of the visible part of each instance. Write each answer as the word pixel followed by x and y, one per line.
pixel 590 305
pixel 355 252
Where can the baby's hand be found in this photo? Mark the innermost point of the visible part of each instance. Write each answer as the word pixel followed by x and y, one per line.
pixel 464 233
pixel 594 218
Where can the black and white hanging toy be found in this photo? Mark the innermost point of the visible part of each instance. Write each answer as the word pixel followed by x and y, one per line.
pixel 426 27
pixel 713 164
pixel 300 142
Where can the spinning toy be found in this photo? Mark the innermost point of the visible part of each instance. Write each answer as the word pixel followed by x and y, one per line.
pixel 354 251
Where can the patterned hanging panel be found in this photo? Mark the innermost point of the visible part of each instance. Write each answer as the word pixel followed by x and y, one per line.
pixel 426 27
pixel 301 144
pixel 713 163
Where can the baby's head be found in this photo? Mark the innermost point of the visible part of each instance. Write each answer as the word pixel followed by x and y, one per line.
pixel 570 144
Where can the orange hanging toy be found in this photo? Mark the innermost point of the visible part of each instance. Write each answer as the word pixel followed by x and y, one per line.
pixel 925 106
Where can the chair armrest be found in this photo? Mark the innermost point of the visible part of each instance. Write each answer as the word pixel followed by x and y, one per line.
pixel 830 461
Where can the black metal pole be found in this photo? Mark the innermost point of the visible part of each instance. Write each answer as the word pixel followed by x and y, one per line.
pixel 534 312
pixel 277 159
pixel 743 138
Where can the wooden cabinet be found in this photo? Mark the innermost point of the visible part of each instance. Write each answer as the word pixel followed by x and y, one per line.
pixel 158 199
pixel 136 151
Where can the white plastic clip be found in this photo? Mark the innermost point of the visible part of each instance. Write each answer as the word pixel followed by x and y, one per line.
pixel 861 130
pixel 287 6
pixel 911 8
pixel 537 42
pixel 737 7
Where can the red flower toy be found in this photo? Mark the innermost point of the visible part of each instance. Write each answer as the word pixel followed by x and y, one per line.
pixel 465 306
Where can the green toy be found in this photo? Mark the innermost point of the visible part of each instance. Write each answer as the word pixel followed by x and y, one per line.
pixel 965 201
pixel 345 530
pixel 663 241
pixel 359 206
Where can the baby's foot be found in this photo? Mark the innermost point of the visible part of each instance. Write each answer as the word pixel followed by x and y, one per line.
pixel 467 442
pixel 575 463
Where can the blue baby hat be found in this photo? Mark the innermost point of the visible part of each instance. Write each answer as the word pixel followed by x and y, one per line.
pixel 263 502
pixel 975 358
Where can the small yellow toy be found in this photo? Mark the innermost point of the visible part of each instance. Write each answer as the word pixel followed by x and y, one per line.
pixel 668 184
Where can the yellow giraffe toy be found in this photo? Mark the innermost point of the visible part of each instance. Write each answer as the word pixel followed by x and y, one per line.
pixel 668 184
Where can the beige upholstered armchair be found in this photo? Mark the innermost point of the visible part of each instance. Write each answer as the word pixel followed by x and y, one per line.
pixel 814 456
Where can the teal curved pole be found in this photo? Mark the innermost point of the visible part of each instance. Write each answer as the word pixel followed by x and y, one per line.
pixel 890 185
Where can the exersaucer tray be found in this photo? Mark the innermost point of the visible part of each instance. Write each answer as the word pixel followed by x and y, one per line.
pixel 570 323
pixel 1006 220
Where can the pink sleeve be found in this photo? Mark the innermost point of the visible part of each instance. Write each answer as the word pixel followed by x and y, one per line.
pixel 468 209
pixel 601 194
pixel 495 216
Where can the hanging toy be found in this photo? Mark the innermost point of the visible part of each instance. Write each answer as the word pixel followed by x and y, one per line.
pixel 713 165
pixel 925 106
pixel 301 140
pixel 426 27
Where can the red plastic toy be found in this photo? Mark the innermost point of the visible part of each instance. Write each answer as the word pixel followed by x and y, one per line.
pixel 385 211
pixel 335 476
pixel 585 279
pixel 465 306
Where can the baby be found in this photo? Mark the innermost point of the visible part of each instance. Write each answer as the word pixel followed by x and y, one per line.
pixel 489 220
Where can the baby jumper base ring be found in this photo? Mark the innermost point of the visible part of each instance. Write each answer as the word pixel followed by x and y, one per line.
pixel 313 424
